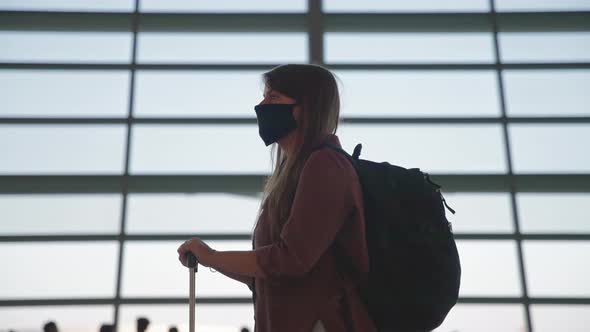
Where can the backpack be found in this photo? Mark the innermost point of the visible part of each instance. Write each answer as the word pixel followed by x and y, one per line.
pixel 414 268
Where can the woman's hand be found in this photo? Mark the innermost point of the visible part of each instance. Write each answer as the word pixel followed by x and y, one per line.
pixel 200 249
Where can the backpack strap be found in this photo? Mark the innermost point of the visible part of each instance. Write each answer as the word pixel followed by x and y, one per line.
pixel 355 154
pixel 341 262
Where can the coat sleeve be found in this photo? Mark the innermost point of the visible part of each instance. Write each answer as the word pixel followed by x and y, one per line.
pixel 323 201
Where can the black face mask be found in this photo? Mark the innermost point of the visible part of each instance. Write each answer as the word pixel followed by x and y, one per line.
pixel 275 121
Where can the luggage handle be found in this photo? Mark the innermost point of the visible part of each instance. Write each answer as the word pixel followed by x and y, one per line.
pixel 193 267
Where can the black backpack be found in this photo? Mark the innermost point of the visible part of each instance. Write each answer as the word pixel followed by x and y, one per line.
pixel 414 268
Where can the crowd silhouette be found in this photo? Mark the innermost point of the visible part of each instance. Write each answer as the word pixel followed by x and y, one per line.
pixel 142 326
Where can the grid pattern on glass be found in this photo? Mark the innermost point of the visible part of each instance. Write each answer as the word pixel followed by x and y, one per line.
pixel 59 149
pixel 69 46
pixel 569 51
pixel 475 148
pixel 549 318
pixel 213 318
pixel 484 318
pixel 385 47
pixel 212 47
pixel 480 212
pixel 544 46
pixel 193 213
pixel 60 214
pixel 405 6
pixel 418 93
pixel 197 93
pixel 480 260
pixel 547 92
pixel 52 93
pixel 86 318
pixel 557 268
pixel 153 269
pixel 68 5
pixel 196 149
pixel 542 5
pixel 58 270
pixel 554 213
pixel 550 148
pixel 223 6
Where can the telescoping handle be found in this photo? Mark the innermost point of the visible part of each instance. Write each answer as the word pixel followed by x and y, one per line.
pixel 193 267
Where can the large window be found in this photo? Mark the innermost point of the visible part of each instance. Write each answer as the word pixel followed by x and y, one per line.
pixel 128 126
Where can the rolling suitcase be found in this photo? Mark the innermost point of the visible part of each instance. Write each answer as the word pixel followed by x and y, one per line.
pixel 192 269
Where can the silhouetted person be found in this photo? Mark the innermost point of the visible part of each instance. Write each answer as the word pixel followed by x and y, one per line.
pixel 50 327
pixel 142 324
pixel 173 329
pixel 244 329
pixel 107 328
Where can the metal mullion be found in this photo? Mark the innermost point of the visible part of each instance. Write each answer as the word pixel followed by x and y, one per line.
pixel 252 120
pixel 294 22
pixel 107 301
pixel 519 300
pixel 151 22
pixel 140 66
pixel 511 179
pixel 315 32
pixel 125 177
pixel 250 184
pixel 246 236
pixel 267 66
pixel 248 300
pixel 126 237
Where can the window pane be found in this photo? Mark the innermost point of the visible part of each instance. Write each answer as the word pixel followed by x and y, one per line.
pixel 480 212
pixel 58 270
pixel 550 148
pixel 193 213
pixel 158 47
pixel 554 213
pixel 547 92
pixel 214 318
pixel 217 6
pixel 488 268
pixel 197 93
pixel 64 93
pixel 433 148
pixel 542 5
pixel 153 269
pixel 87 47
pixel 61 149
pixel 550 318
pixel 401 93
pixel 60 214
pixel 545 46
pixel 408 47
pixel 87 318
pixel 67 5
pixel 197 149
pixel 484 318
pixel 557 268
pixel 406 6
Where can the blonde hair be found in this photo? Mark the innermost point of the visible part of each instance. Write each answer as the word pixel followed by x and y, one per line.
pixel 315 89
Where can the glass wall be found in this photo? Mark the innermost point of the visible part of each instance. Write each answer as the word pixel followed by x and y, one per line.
pixel 127 127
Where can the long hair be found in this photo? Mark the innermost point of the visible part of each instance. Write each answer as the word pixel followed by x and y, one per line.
pixel 315 89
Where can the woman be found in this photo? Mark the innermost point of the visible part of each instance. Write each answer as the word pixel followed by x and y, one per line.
pixel 309 251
